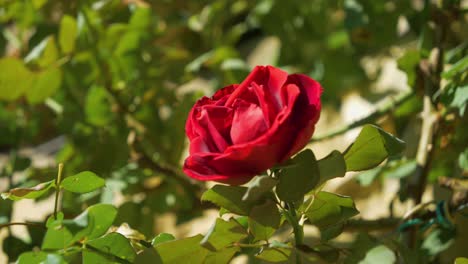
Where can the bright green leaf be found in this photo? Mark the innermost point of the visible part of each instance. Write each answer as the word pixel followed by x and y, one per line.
pixel 15 79
pixel 408 63
pixel 161 238
pixel 114 244
pixel 67 34
pixel 57 237
pixel 32 257
pixel 50 53
pixel 28 193
pixel 228 197
pixel 304 171
pixel 83 182
pixel 46 83
pixel 329 209
pixel 461 261
pixel 92 223
pixel 222 234
pixel 372 146
pixel 97 107
pixel 264 220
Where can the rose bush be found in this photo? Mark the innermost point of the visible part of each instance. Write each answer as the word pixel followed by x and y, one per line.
pixel 246 129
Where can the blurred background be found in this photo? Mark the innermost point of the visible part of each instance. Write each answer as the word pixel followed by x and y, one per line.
pixel 106 86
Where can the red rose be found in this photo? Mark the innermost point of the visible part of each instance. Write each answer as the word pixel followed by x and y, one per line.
pixel 246 129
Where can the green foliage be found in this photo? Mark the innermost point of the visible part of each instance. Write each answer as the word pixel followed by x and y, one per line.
pixel 116 79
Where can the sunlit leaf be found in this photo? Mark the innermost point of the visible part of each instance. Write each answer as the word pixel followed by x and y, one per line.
pixel 92 223
pixel 15 79
pixel 372 146
pixel 222 234
pixel 82 182
pixel 46 83
pixel 161 238
pixel 114 244
pixel 67 34
pixel 329 209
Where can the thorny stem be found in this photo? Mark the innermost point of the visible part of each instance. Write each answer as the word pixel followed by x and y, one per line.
pixel 58 180
pixel 381 111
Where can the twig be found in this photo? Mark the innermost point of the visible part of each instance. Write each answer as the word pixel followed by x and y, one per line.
pixel 58 180
pixel 389 105
pixel 371 225
pixel 22 224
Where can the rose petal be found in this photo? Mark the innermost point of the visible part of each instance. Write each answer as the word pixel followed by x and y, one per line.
pixel 248 122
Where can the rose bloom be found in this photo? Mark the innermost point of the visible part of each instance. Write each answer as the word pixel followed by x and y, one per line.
pixel 246 129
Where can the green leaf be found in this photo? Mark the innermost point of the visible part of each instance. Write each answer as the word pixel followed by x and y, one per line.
pixel 275 254
pixel 57 237
pixel 83 182
pixel 15 78
pixel 161 238
pixel 304 171
pixel 223 256
pixel 114 244
pixel 408 63
pixel 372 146
pixel 50 53
pixel 228 197
pixel 332 166
pixel 92 223
pixel 331 232
pixel 379 254
pixel 46 83
pixel 258 186
pixel 28 193
pixel 67 34
pixel 438 240
pixel 96 107
pixel 460 67
pixel 222 234
pixel 463 160
pixel 179 251
pixel 95 257
pixel 367 177
pixel 461 261
pixel 329 209
pixel 32 257
pixel 264 220
pixel 460 99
